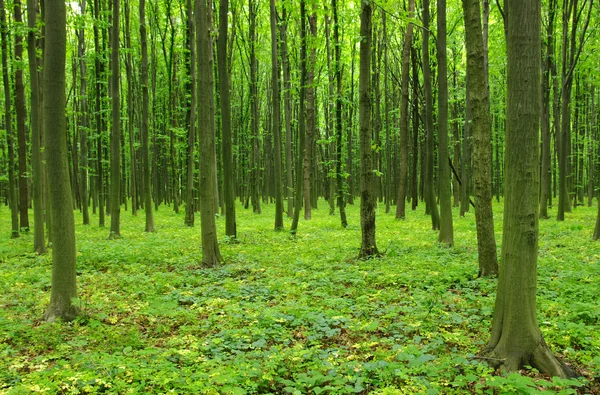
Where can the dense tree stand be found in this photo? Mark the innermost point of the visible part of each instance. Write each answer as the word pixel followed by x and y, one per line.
pixel 516 339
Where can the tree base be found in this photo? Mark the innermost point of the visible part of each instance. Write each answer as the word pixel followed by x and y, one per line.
pixel 540 358
pixel 62 313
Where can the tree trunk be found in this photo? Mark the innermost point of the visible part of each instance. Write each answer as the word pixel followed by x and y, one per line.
pixel 130 111
pixel 341 203
pixel 516 339
pixel 310 117
pixel 64 287
pixel 276 125
pixel 99 68
pixel 10 138
pixel 404 118
pixel 190 207
pixel 254 112
pixel 367 185
pixel 115 138
pixel 288 114
pixel 84 123
pixel 299 195
pixel 228 177
pixel 446 235
pixel 415 126
pixel 430 198
pixel 211 256
pixel 21 116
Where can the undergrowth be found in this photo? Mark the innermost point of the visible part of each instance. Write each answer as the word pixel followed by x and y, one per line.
pixel 289 315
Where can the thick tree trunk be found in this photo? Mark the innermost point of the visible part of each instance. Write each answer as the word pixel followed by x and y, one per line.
pixel 479 104
pixel 516 339
pixel 446 235
pixel 211 256
pixel 368 198
pixel 64 287
pixel 228 177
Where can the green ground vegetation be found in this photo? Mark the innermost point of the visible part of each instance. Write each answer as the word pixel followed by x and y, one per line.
pixel 295 315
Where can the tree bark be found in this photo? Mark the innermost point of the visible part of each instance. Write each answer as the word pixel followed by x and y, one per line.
pixel 10 138
pixel 288 114
pixel 211 256
pixel 404 118
pixel 115 138
pixel 310 117
pixel 64 287
pixel 341 203
pixel 430 198
pixel 479 105
pixel 367 195
pixel 190 207
pixel 516 339
pixel 446 235
pixel 276 123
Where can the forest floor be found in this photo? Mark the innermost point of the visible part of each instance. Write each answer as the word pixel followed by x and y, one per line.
pixel 297 315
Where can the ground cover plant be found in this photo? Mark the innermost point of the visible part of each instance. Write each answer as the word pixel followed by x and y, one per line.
pixel 297 315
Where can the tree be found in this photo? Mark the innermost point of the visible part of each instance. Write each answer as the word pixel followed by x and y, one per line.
pixel 287 108
pixel 404 117
pixel 299 195
pixel 21 116
pixel 189 207
pixel 230 225
pixel 310 116
pixel 516 339
pixel 10 139
pixel 39 245
pixel 254 111
pixel 276 125
pixel 115 132
pixel 211 256
pixel 367 185
pixel 144 129
pixel 479 109
pixel 98 70
pixel 430 200
pixel 338 115
pixel 83 127
pixel 64 287
pixel 446 235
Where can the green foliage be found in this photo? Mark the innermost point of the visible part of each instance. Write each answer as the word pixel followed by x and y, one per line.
pixel 288 315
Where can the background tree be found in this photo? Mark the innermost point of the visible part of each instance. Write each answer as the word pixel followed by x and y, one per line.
pixel 276 122
pixel 479 108
pixel 144 124
pixel 115 135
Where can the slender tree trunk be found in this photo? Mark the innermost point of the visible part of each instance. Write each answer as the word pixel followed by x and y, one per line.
pixel 190 207
pixel 288 114
pixel 310 117
pixel 350 156
pixel 144 129
pixel 64 287
pixel 299 195
pixel 404 118
pixel 415 126
pixel 254 112
pixel 115 138
pixel 276 126
pixel 130 111
pixel 228 177
pixel 430 200
pixel 516 339
pixel 84 123
pixel 446 235
pixel 21 116
pixel 36 158
pixel 479 104
pixel 338 115
pixel 10 138
pixel 99 67
pixel 368 198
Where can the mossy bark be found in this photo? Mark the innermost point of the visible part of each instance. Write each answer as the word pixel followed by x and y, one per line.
pixel 64 286
pixel 479 106
pixel 516 339
pixel 367 176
